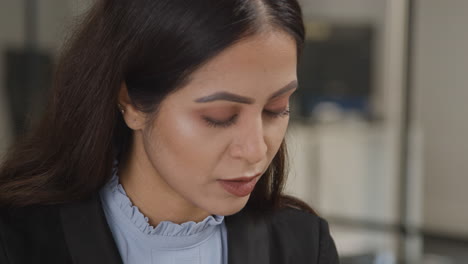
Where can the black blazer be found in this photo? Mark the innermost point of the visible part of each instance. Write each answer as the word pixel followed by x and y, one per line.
pixel 78 233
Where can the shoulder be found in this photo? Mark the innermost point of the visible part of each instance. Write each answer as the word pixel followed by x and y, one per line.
pixel 294 215
pixel 25 213
pixel 28 219
pixel 305 230
pixel 298 221
pixel 33 229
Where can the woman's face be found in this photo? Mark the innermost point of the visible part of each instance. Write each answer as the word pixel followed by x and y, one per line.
pixel 227 123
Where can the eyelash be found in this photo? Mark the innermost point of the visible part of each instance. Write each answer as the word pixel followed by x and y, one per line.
pixel 233 119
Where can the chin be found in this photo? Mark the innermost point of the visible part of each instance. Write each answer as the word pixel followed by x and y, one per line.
pixel 231 207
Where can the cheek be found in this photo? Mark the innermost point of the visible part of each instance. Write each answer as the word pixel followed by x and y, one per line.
pixel 275 135
pixel 180 147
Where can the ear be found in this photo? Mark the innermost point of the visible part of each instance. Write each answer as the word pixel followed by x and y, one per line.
pixel 134 118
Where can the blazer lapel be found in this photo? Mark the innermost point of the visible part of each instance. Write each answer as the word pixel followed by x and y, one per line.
pixel 87 234
pixel 248 239
pixel 90 240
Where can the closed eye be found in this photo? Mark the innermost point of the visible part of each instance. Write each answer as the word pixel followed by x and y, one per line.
pixel 222 124
pixel 231 121
pixel 283 113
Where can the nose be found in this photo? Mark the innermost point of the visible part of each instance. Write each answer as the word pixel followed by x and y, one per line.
pixel 250 143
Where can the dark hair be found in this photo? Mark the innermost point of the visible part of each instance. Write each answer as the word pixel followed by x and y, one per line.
pixel 153 46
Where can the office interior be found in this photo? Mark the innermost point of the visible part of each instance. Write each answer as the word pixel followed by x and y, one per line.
pixel 378 133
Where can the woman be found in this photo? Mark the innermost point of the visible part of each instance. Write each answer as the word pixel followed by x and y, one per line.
pixel 163 142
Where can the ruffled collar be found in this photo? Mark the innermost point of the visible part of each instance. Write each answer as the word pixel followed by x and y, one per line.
pixel 116 192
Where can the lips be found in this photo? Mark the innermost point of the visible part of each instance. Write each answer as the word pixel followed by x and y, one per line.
pixel 243 178
pixel 240 187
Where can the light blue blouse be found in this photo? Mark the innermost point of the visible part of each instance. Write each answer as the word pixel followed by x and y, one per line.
pixel 167 243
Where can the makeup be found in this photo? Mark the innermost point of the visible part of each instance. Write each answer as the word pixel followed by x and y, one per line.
pixel 240 186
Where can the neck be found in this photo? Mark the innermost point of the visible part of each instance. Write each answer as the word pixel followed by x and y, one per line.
pixel 152 194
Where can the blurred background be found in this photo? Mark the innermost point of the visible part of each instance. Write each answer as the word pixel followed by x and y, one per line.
pixel 377 138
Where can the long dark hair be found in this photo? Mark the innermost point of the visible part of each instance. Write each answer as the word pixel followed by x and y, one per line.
pixel 153 46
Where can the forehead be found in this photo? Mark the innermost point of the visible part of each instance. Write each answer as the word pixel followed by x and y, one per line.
pixel 261 63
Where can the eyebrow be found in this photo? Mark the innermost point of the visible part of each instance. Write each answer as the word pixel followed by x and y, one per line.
pixel 226 96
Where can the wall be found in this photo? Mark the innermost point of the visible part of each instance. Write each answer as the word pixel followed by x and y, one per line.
pixel 54 17
pixel 11 28
pixel 441 92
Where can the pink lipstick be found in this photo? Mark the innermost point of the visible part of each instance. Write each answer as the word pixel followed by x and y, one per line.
pixel 240 186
